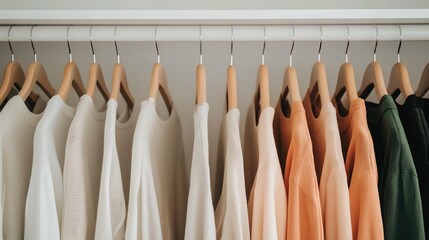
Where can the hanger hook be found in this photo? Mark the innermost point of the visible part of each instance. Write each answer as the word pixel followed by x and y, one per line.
pixel 263 47
pixel 92 46
pixel 201 47
pixel 320 44
pixel 291 48
pixel 158 57
pixel 400 44
pixel 232 46
pixel 118 59
pixel 68 45
pixel 348 44
pixel 376 44
pixel 12 58
pixel 32 44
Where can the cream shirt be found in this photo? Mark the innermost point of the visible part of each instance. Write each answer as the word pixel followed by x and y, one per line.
pixel 231 215
pixel 43 209
pixel 159 187
pixel 82 171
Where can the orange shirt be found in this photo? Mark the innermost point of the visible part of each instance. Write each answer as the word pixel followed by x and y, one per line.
pixel 361 169
pixel 304 215
pixel 330 170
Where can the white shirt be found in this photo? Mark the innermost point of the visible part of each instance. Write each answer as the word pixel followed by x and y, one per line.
pixel 43 209
pixel 17 126
pixel 231 212
pixel 115 174
pixel 158 188
pixel 82 171
pixel 200 222
pixel 267 200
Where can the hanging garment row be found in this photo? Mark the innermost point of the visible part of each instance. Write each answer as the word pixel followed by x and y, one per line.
pixel 308 168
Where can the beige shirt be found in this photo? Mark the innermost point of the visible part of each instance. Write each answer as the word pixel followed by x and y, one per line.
pixel 82 171
pixel 267 200
pixel 330 170
pixel 17 127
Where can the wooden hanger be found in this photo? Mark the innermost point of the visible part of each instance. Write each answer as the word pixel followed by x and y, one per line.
pixel 263 95
pixel 96 78
pixel 399 81
pixel 201 85
pixel 373 77
pixel 231 79
pixel 158 83
pixel 346 79
pixel 318 81
pixel 232 88
pixel 120 83
pixel 36 74
pixel 120 86
pixel 290 85
pixel 13 75
pixel 71 78
pixel 290 79
pixel 201 95
pixel 423 87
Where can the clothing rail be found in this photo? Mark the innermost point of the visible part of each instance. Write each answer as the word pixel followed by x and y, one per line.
pixel 217 33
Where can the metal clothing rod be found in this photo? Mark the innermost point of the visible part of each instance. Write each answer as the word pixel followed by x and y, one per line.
pixel 216 33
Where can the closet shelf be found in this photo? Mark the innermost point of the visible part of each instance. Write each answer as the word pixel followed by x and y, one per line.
pixel 245 17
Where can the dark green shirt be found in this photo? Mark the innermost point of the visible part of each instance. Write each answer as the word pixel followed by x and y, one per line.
pixel 416 128
pixel 398 184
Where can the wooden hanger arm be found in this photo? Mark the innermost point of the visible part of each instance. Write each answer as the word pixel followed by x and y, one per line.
pixel 399 81
pixel 96 80
pixel 423 87
pixel 158 82
pixel 346 83
pixel 290 85
pixel 36 75
pixel 231 88
pixel 319 78
pixel 201 84
pixel 13 74
pixel 71 78
pixel 373 78
pixel 120 86
pixel 264 87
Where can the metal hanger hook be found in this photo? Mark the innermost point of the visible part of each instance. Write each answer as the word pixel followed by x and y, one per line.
pixel 348 44
pixel 12 58
pixel 376 44
pixel 232 46
pixel 320 44
pixel 68 45
pixel 291 48
pixel 32 44
pixel 201 47
pixel 118 59
pixel 158 57
pixel 92 46
pixel 263 47
pixel 400 44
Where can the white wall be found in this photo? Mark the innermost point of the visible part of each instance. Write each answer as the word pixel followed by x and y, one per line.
pixel 181 58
